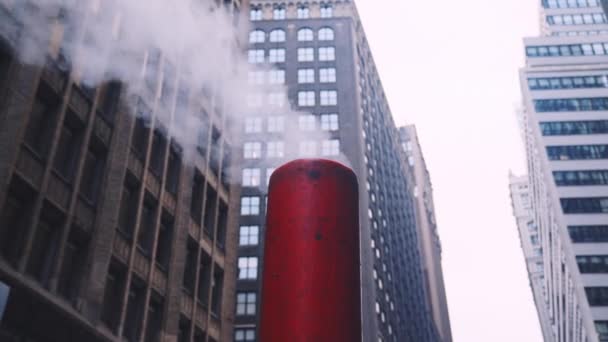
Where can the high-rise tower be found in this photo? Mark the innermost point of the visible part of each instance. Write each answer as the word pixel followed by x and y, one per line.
pixel 565 125
pixel 318 51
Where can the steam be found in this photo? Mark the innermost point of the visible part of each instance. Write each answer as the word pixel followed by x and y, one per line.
pixel 161 50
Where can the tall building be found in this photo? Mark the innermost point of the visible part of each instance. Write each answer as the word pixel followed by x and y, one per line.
pixel 565 125
pixel 106 232
pixel 428 236
pixel 320 54
pixel 530 244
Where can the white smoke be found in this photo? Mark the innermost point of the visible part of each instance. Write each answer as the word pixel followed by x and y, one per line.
pixel 179 44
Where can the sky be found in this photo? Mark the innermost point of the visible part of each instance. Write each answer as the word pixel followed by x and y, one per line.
pixel 451 68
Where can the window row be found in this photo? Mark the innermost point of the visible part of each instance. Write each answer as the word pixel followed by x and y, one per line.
pixel 309 122
pixel 259 36
pixel 326 98
pixel 280 13
pixel 574 127
pixel 592 263
pixel 587 177
pixel 308 35
pixel 579 33
pixel 326 75
pixel 577 152
pixel 252 176
pixel 588 205
pixel 577 19
pixel 276 149
pixel 325 54
pixel 571 105
pixel 572 82
pixel 570 3
pixel 588 234
pixel 276 76
pixel 587 49
pixel 277 99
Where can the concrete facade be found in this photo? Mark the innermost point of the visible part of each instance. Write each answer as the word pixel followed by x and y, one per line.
pixel 343 114
pixel 430 243
pixel 106 233
pixel 564 123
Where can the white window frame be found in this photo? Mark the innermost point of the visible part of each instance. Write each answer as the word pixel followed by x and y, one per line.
pixel 303 12
pixel 253 125
pixel 277 36
pixel 257 36
pixel 246 303
pixel 276 55
pixel 306 34
pixel 278 13
pixel 306 75
pixel 250 205
pixel 249 235
pixel 326 34
pixel 327 11
pixel 327 53
pixel 276 76
pixel 306 54
pixel 255 14
pixel 276 124
pixel 275 149
pixel 306 98
pixel 251 177
pixel 327 75
pixel 328 97
pixel 255 56
pixel 252 150
pixel 248 268
pixel 277 99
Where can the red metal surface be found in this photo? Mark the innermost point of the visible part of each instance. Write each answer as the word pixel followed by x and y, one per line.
pixel 311 282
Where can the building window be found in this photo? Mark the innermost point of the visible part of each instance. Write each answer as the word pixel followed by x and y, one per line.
pixel 305 35
pixel 327 11
pixel 253 125
pixel 577 19
pixel 328 97
pixel 326 33
pixel 327 75
pixel 278 13
pixel 327 53
pixel 303 12
pixel 276 99
pixel 307 122
pixel 308 148
pixel 244 335
pixel 592 263
pixel 92 174
pixel 275 149
pixel 256 77
pixel 329 122
pixel 572 82
pixel 276 76
pixel 250 206
pixel 277 36
pixel 578 178
pixel 306 98
pixel 570 3
pixel 602 330
pixel 249 235
pixel 252 150
pixel 248 268
pixel 257 36
pixel 246 303
pixel 571 105
pixel 42 121
pixel 306 54
pixel 276 124
pixel 574 127
pixel 577 152
pixel 588 234
pixel 269 172
pixel 306 75
pixel 587 49
pixel 330 147
pixel 597 296
pixel 256 56
pixel 251 177
pixel 255 14
pixel 276 55
pixel 589 205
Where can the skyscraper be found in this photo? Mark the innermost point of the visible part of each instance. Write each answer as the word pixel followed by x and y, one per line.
pixel 565 125
pixel 319 53
pixel 530 244
pixel 107 233
pixel 428 236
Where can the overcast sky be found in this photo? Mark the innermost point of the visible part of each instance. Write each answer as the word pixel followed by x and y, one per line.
pixel 451 68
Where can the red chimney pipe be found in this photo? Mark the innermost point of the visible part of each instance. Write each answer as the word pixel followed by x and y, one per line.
pixel 311 287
